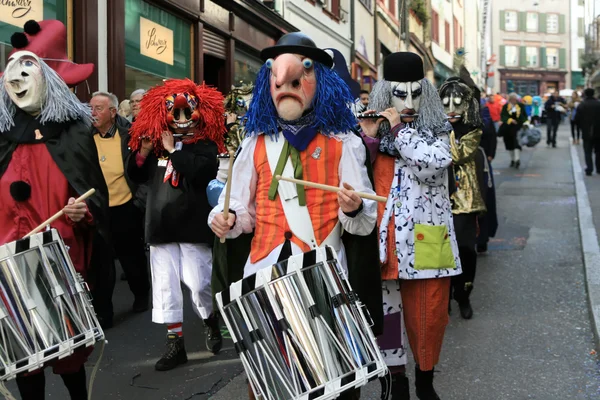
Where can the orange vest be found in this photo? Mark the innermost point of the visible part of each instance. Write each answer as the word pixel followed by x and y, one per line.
pixel 383 174
pixel 271 225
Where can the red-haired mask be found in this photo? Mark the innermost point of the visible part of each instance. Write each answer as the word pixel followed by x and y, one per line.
pixel 182 113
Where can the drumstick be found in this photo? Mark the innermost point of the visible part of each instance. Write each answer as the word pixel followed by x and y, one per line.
pixel 228 190
pixel 60 213
pixel 330 188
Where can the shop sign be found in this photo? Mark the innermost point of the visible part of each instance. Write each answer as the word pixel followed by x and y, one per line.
pixel 156 41
pixel 17 12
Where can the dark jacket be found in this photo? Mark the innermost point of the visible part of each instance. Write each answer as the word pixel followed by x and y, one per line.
pixel 178 214
pixel 551 111
pixel 489 140
pixel 588 118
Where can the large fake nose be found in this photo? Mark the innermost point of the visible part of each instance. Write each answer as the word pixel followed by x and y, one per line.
pixel 409 100
pixel 287 68
pixel 451 107
pixel 15 74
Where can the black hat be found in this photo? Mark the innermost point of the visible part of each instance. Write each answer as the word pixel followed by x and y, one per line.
pixel 297 43
pixel 341 68
pixel 403 66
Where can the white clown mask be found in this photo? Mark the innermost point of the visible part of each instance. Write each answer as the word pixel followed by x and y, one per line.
pixel 24 81
pixel 406 99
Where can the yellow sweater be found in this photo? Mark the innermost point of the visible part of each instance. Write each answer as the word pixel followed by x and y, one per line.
pixel 111 162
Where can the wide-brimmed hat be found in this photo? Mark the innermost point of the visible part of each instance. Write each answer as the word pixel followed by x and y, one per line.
pixel 48 40
pixel 297 43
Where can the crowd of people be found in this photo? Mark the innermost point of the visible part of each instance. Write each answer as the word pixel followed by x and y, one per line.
pixel 158 164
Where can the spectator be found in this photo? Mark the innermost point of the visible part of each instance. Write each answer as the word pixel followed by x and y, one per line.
pixel 125 109
pixel 575 129
pixel 364 98
pixel 495 107
pixel 536 110
pixel 587 116
pixel 111 135
pixel 555 107
pixel 134 102
pixel 513 117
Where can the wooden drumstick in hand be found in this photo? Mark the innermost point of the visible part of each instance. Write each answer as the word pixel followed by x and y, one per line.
pixel 60 213
pixel 228 190
pixel 329 188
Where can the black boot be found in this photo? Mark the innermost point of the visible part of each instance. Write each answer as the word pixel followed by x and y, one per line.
pixel 214 340
pixel 466 311
pixel 174 355
pixel 424 385
pixel 32 387
pixel 400 388
pixel 76 384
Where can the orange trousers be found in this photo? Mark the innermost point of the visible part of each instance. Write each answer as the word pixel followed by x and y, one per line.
pixel 425 304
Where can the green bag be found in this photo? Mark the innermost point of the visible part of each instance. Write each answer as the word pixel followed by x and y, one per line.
pixel 432 247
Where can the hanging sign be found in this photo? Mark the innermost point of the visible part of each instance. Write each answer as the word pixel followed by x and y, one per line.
pixel 156 41
pixel 17 12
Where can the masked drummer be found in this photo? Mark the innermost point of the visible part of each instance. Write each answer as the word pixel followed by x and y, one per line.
pixel 418 250
pixel 300 124
pixel 175 141
pixel 46 160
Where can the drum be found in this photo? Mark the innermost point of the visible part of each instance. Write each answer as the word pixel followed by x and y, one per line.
pixel 45 306
pixel 300 331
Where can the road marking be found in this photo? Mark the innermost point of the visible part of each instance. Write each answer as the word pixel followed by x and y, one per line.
pixel 589 242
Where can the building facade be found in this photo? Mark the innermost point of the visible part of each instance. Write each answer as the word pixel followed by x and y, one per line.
pixel 419 36
pixel 365 43
pixel 577 47
pixel 472 40
pixel 447 36
pixel 387 30
pixel 532 42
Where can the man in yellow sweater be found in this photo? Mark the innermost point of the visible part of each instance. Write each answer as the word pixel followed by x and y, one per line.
pixel 111 135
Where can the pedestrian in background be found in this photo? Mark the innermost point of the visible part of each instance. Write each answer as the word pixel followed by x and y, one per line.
pixel 495 108
pixel 575 129
pixel 588 118
pixel 111 136
pixel 124 109
pixel 134 101
pixel 555 107
pixel 513 117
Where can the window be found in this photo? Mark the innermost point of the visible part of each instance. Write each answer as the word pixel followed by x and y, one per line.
pixel 435 27
pixel 511 21
pixel 367 4
pixel 447 35
pixel 392 7
pixel 532 22
pixel 511 56
pixel 532 56
pixel 246 67
pixel 552 57
pixel 456 34
pixel 552 23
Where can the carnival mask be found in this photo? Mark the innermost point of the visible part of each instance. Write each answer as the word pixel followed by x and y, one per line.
pixel 454 107
pixel 293 85
pixel 24 81
pixel 406 98
pixel 182 113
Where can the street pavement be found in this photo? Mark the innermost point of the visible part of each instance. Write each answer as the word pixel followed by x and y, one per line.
pixel 530 337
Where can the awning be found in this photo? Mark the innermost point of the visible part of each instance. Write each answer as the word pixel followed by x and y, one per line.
pixel 577 79
pixel 442 73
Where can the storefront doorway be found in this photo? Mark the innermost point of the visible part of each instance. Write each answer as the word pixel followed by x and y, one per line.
pixel 215 73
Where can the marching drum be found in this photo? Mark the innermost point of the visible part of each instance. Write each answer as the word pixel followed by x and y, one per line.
pixel 300 331
pixel 45 307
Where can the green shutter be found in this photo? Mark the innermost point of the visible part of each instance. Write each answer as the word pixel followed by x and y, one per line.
pixel 543 60
pixel 523 56
pixel 542 23
pixel 502 20
pixel 522 26
pixel 562 58
pixel 580 27
pixel 502 56
pixel 561 23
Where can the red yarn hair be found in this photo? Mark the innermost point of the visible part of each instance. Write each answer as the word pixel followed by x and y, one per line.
pixel 152 119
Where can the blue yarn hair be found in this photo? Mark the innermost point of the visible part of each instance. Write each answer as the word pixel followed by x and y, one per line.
pixel 331 104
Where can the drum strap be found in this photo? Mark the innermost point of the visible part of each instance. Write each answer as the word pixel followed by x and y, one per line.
pixel 297 216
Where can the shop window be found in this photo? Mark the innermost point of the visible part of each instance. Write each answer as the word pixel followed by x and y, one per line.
pixel 157 46
pixel 551 57
pixel 552 23
pixel 511 22
pixel 10 23
pixel 246 68
pixel 511 54
pixel 532 22
pixel 532 56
